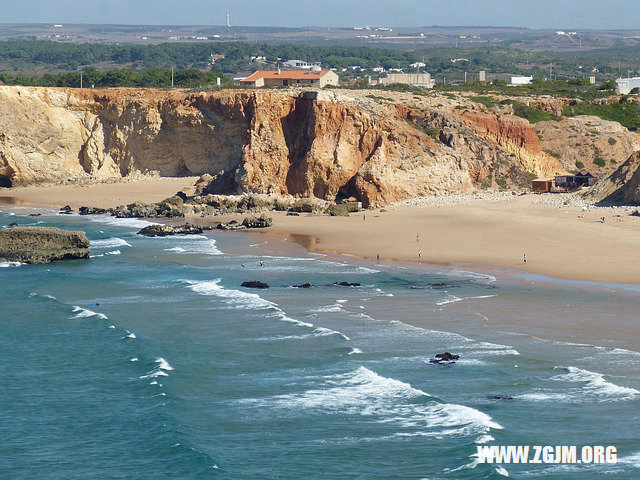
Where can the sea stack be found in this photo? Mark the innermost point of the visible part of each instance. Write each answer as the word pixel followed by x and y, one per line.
pixel 42 244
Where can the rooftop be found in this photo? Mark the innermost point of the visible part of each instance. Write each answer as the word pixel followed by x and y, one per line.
pixel 287 74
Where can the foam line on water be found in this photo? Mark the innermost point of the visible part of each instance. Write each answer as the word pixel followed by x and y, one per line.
pixel 11 264
pixel 86 313
pixel 113 242
pixel 386 400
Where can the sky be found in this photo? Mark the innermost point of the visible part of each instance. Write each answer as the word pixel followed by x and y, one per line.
pixel 554 14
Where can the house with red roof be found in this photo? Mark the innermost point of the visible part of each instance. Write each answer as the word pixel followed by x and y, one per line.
pixel 291 78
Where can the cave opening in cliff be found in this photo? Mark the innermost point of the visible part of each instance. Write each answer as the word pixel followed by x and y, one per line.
pixel 5 182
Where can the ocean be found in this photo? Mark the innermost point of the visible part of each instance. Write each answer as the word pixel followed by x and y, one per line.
pixel 150 361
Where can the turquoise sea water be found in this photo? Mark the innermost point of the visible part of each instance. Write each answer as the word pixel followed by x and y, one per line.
pixel 149 361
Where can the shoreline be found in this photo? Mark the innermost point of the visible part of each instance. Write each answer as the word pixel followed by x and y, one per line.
pixel 561 237
pixel 617 334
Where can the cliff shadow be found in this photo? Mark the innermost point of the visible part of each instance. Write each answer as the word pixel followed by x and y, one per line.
pixel 297 128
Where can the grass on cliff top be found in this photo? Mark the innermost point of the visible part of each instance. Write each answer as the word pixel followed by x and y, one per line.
pixel 627 114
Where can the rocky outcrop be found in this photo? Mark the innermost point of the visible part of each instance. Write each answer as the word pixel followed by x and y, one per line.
pixel 170 230
pixel 327 145
pixel 249 222
pixel 622 187
pixel 254 284
pixel 42 244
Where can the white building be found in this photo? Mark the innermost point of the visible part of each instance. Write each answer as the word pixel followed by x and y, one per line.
pixel 625 85
pixel 418 65
pixel 299 64
pixel 520 80
pixel 416 79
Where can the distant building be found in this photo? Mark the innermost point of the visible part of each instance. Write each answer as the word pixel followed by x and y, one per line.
pixel 417 79
pixel 542 185
pixel 418 65
pixel 299 64
pixel 625 85
pixel 291 78
pixel 482 76
pixel 521 80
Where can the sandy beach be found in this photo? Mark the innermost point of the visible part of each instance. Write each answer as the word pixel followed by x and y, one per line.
pixel 562 241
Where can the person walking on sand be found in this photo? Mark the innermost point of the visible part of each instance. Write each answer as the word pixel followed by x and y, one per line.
pixel 364 217
pixel 418 238
pixel 419 254
pixel 378 258
pixel 525 258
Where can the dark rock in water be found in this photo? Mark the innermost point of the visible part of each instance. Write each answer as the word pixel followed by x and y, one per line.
pixel 13 224
pixel 254 284
pixel 441 285
pixel 500 397
pixel 445 358
pixel 66 210
pixel 346 284
pixel 35 214
pixel 304 285
pixel 42 244
pixel 168 230
pixel 92 211
pixel 260 222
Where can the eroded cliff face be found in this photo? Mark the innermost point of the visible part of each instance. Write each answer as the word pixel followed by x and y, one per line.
pixel 323 144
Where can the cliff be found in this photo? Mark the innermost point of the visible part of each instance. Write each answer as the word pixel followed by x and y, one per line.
pixel 323 144
pixel 622 187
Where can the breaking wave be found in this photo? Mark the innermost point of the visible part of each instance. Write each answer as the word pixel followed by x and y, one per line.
pixel 112 242
pixel 86 313
pixel 385 400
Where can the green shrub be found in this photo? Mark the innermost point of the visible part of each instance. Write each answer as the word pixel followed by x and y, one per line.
pixel 579 164
pixel 627 114
pixel 533 115
pixel 599 161
pixel 612 141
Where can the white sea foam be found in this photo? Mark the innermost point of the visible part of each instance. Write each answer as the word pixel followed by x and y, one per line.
pixel 386 400
pixel 355 351
pixel 448 299
pixel 134 359
pixel 193 244
pixel 484 439
pixel 160 371
pixel 502 471
pixel 112 242
pixel 114 252
pixel 327 331
pixel 163 364
pixel 595 385
pixel 633 459
pixel 130 335
pixel 336 307
pixel 242 300
pixel 10 264
pixel 134 223
pixel 86 313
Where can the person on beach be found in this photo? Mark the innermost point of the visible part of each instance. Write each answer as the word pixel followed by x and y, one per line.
pixel 262 263
pixel 525 258
pixel 419 254
pixel 378 258
pixel 364 217
pixel 418 238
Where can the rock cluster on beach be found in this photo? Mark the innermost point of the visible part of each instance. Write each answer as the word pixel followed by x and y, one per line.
pixel 42 244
